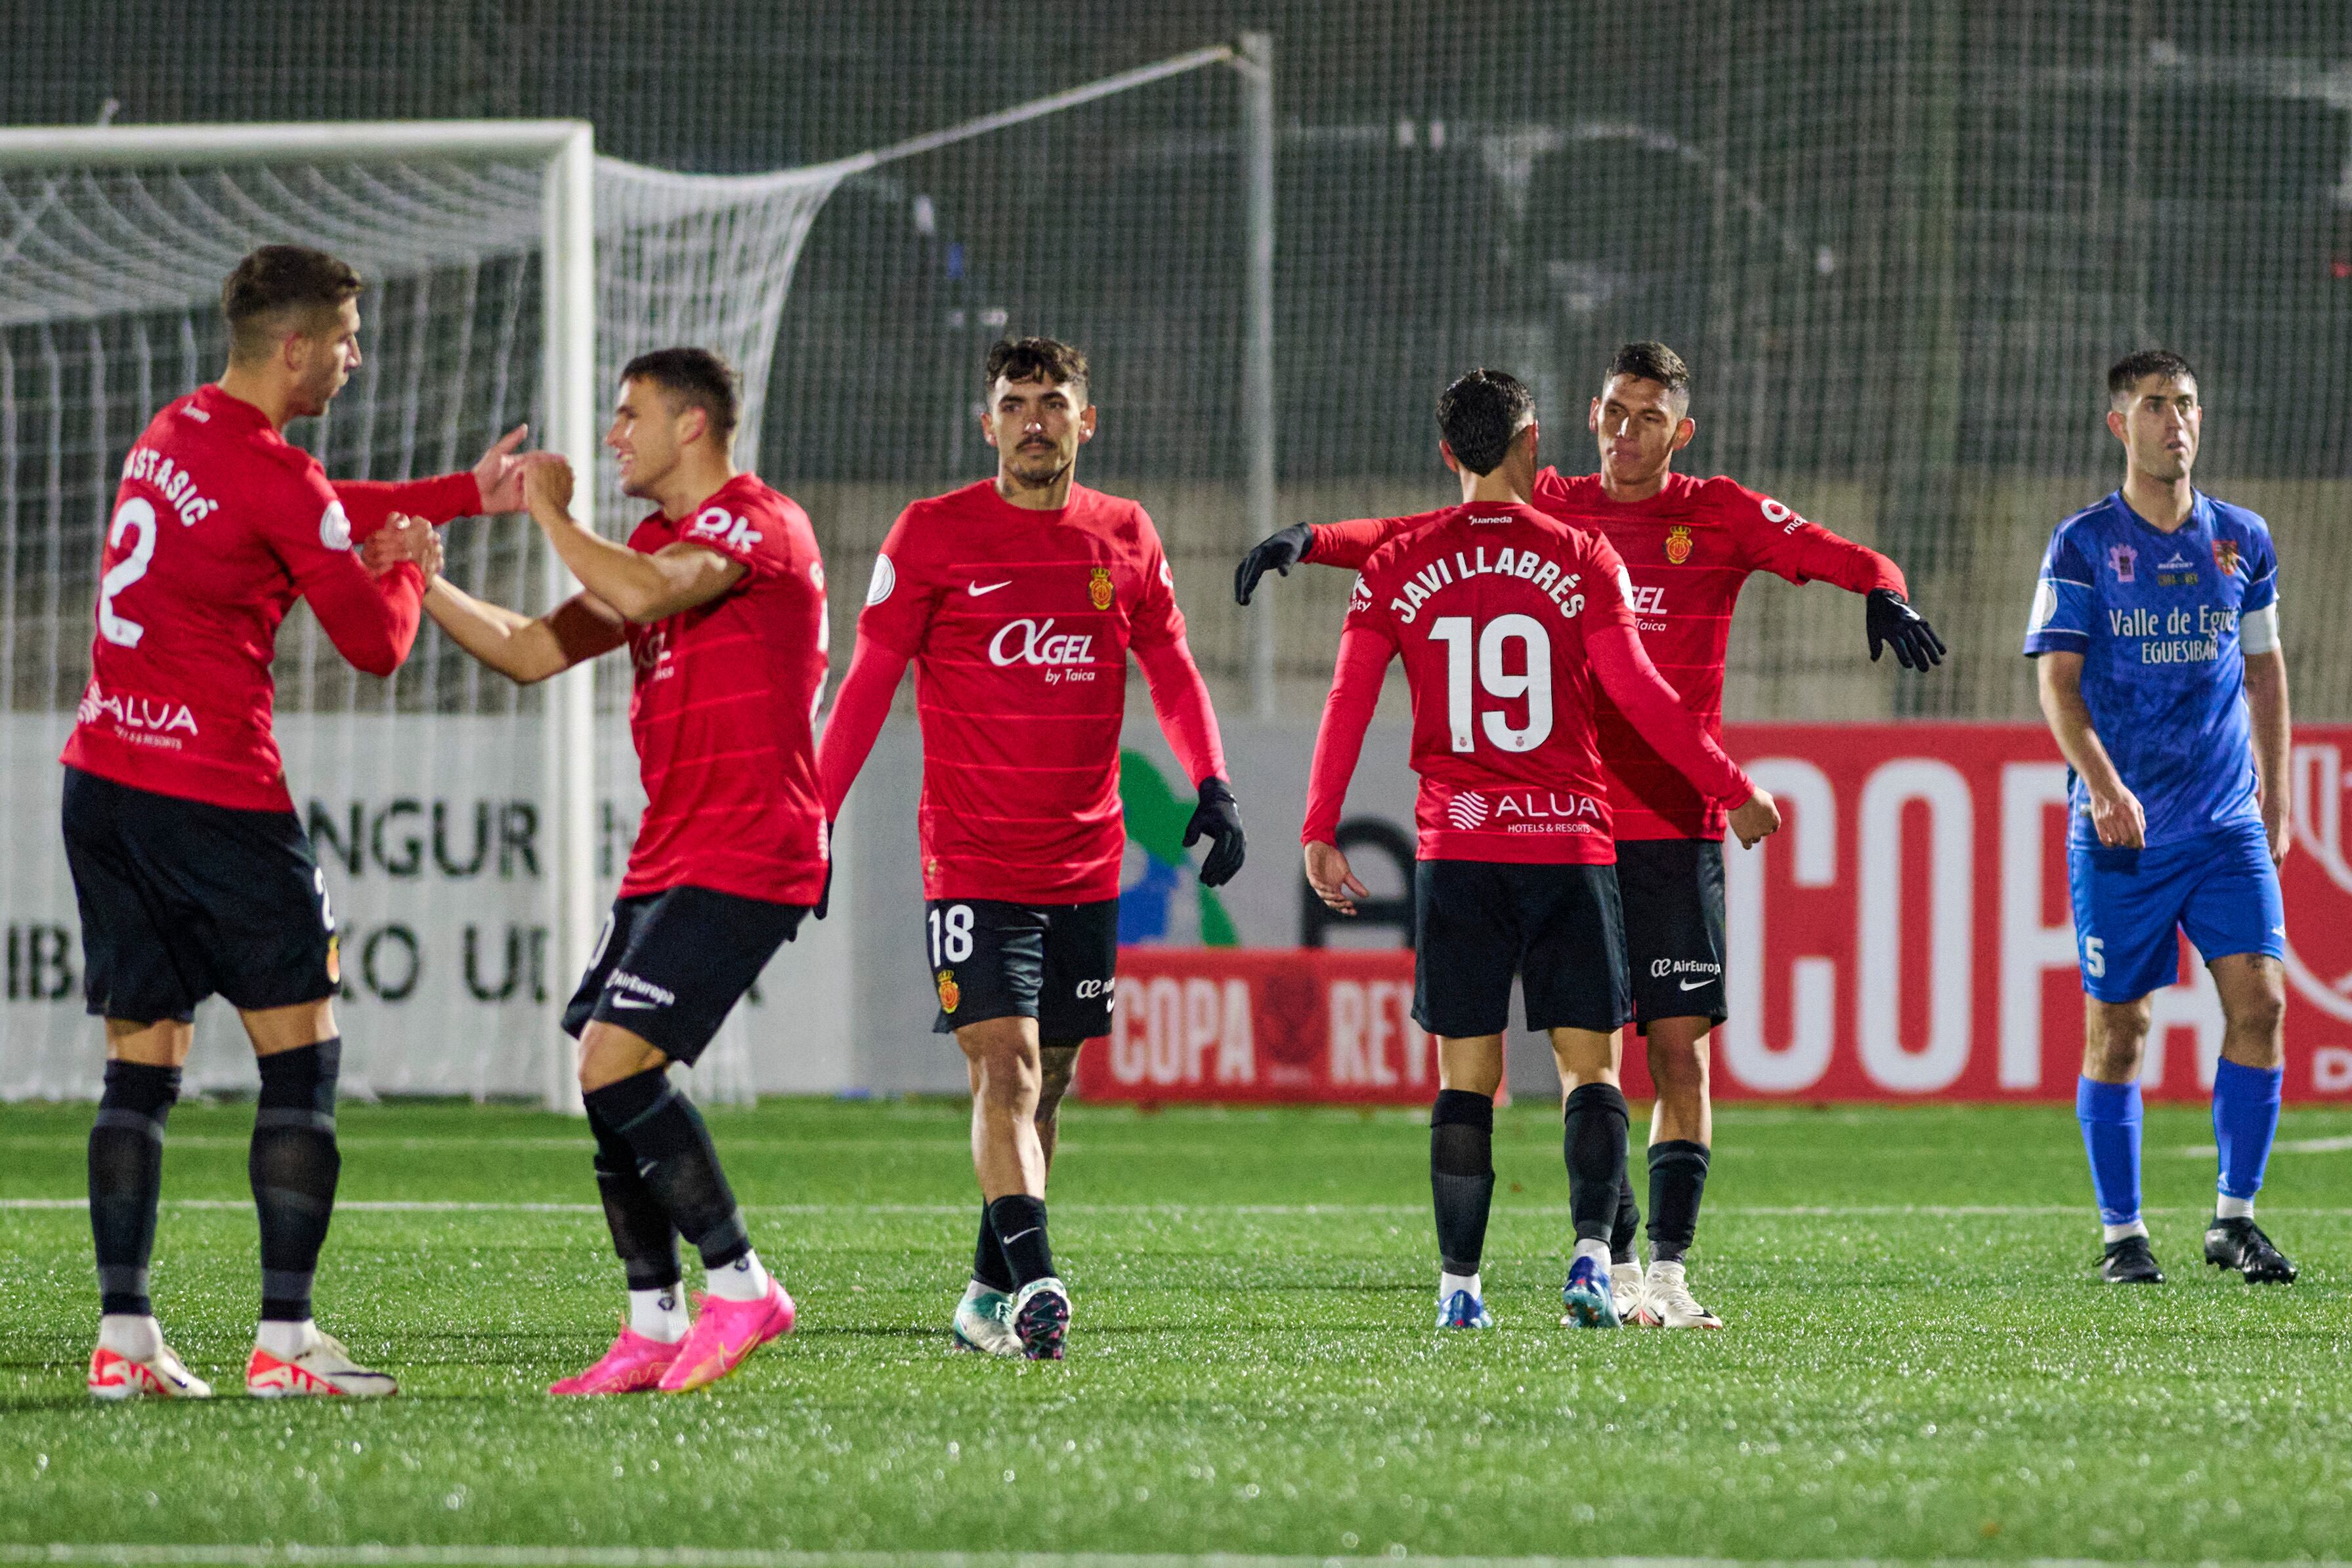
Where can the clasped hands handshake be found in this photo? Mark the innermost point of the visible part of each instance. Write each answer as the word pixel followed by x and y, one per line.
pixel 508 479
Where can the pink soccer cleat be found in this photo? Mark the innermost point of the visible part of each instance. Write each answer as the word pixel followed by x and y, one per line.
pixel 633 1365
pixel 724 1336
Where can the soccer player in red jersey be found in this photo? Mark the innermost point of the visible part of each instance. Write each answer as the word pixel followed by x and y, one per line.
pixel 720 597
pixel 1512 627
pixel 191 872
pixel 1017 600
pixel 1688 545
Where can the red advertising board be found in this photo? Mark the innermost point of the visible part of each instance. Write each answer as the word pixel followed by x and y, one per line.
pixel 1906 935
pixel 1318 1025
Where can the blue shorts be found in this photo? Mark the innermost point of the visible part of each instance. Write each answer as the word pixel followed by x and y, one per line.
pixel 2220 887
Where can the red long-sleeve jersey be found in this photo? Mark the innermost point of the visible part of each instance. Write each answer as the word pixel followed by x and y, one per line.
pixel 1019 624
pixel 723 710
pixel 1511 626
pixel 219 526
pixel 1687 553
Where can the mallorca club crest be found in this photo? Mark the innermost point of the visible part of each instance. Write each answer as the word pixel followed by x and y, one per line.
pixel 1099 588
pixel 1678 543
pixel 950 992
pixel 2123 560
pixel 2225 557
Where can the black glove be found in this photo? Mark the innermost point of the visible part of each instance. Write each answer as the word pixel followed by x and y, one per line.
pixel 1892 622
pixel 824 893
pixel 1278 553
pixel 1217 817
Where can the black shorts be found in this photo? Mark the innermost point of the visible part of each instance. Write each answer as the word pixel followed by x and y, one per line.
pixel 1056 962
pixel 1673 890
pixel 671 964
pixel 181 899
pixel 1558 928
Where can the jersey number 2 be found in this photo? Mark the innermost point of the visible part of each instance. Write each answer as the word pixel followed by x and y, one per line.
pixel 135 516
pixel 1532 683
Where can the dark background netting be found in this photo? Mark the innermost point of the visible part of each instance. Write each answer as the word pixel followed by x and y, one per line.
pixel 1899 241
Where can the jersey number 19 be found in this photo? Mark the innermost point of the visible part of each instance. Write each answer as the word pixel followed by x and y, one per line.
pixel 1532 683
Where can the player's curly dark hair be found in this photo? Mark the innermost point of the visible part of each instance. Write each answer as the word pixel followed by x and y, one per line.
pixel 1651 361
pixel 1480 414
pixel 697 378
pixel 2138 365
pixel 278 278
pixel 1048 360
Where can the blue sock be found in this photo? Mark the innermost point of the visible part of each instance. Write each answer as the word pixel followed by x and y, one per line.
pixel 2110 1115
pixel 2245 1119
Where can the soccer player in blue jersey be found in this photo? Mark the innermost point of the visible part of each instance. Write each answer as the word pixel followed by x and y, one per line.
pixel 2155 633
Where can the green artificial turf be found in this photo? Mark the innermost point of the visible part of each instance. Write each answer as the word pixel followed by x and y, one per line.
pixel 1918 1363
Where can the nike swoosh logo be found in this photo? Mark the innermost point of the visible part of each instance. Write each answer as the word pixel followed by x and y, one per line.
pixel 976 590
pixel 634 1003
pixel 1695 984
pixel 2278 930
pixel 1009 1240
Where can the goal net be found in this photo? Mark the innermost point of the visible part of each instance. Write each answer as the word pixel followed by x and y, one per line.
pixel 453 811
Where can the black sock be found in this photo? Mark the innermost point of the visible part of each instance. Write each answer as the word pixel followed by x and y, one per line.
pixel 1461 1175
pixel 643 1237
pixel 1593 1142
pixel 293 1165
pixel 126 1172
pixel 1019 1221
pixel 1629 1223
pixel 988 1265
pixel 1677 1179
pixel 672 1147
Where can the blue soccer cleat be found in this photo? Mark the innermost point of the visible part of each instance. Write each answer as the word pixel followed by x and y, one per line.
pixel 1463 1310
pixel 1590 1303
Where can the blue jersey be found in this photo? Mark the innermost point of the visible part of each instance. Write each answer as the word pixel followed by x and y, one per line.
pixel 2155 616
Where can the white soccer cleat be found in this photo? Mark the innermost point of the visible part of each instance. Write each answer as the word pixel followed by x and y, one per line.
pixel 1667 1303
pixel 323 1368
pixel 984 1322
pixel 160 1376
pixel 1627 1288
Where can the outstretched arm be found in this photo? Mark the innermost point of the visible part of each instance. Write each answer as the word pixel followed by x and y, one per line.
pixel 1350 544
pixel 523 648
pixel 1779 541
pixel 858 709
pixel 492 485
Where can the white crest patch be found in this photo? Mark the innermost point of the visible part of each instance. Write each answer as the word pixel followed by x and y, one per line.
pixel 334 527
pixel 884 579
pixel 2045 605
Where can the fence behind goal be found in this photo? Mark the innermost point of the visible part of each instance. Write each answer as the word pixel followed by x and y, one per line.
pixel 1899 240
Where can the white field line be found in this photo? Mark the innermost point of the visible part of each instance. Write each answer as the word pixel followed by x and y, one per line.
pixel 2284 1146
pixel 1270 1210
pixel 294 1555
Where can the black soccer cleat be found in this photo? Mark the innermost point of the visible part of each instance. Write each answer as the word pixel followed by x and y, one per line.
pixel 2130 1262
pixel 1041 1316
pixel 2239 1243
